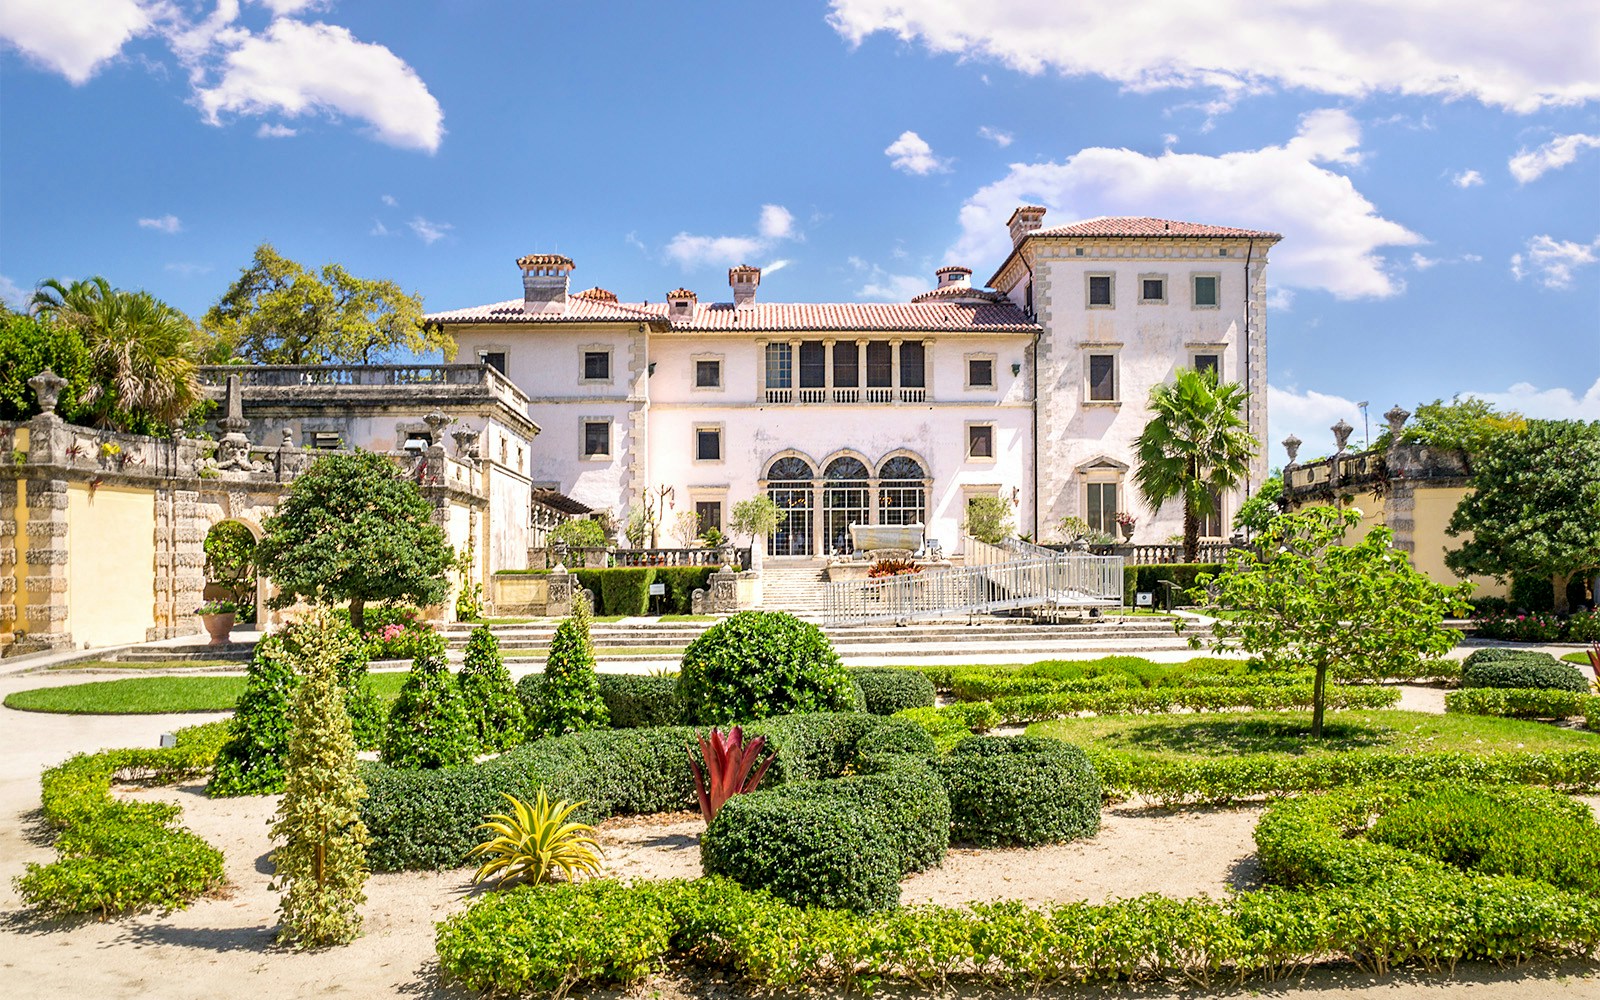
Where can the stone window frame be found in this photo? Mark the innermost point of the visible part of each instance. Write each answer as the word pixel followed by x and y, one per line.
pixel 1098 472
pixel 479 350
pixel 1110 276
pixel 994 442
pixel 722 442
pixel 717 494
pixel 583 439
pixel 994 371
pixel 1088 350
pixel 1166 289
pixel 1194 276
pixel 1195 350
pixel 609 350
pixel 694 372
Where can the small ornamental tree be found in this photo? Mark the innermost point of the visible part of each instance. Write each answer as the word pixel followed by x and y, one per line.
pixel 755 516
pixel 320 865
pixel 988 519
pixel 352 529
pixel 428 725
pixel 1261 507
pixel 490 700
pixel 568 701
pixel 1301 601
pixel 1534 508
pixel 579 533
pixel 757 664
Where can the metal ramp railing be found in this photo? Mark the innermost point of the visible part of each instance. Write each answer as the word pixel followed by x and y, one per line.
pixel 1054 581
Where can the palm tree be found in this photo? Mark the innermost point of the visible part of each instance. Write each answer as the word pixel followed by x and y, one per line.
pixel 1195 446
pixel 142 351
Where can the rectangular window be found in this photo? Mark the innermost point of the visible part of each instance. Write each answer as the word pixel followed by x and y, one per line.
pixel 1101 506
pixel 710 514
pixel 1205 290
pixel 980 373
pixel 1209 363
pixel 880 364
pixel 1100 291
pixel 325 440
pixel 980 441
pixel 1027 299
pixel 813 364
pixel 1152 290
pixel 1211 524
pixel 708 444
pixel 596 438
pixel 494 359
pixel 846 366
pixel 911 365
pixel 707 374
pixel 780 366
pixel 596 365
pixel 1103 377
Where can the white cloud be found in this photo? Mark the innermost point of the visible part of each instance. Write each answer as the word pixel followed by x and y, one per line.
pixel 1517 56
pixel 775 267
pixel 1546 404
pixel 882 286
pixel 776 223
pixel 911 154
pixel 1309 416
pixel 997 136
pixel 74 42
pixel 379 229
pixel 1280 298
pixel 168 224
pixel 283 8
pixel 12 294
pixel 272 130
pixel 1422 263
pixel 1552 261
pixel 1332 234
pixel 390 200
pixel 1467 178
pixel 297 69
pixel 1529 165
pixel 429 232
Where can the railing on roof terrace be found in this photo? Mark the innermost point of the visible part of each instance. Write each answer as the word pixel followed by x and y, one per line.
pixel 1054 581
pixel 294 376
pixel 846 394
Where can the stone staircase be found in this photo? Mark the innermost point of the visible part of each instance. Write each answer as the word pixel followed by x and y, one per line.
pixel 795 587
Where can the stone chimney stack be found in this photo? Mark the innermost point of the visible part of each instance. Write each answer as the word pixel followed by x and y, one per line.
pixel 544 282
pixel 953 275
pixel 1023 221
pixel 680 303
pixel 744 280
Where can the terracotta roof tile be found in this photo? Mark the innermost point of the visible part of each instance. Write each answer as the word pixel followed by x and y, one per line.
pixel 681 293
pixel 958 290
pixel 544 260
pixel 598 294
pixel 1144 226
pixel 930 316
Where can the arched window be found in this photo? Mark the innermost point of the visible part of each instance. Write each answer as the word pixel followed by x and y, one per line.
pixel 789 467
pixel 789 486
pixel 846 500
pixel 902 491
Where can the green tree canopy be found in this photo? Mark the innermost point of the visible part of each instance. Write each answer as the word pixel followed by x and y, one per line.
pixel 755 516
pixel 281 312
pixel 1302 601
pixel 1534 508
pixel 1195 445
pixel 1471 425
pixel 1261 507
pixel 352 529
pixel 29 345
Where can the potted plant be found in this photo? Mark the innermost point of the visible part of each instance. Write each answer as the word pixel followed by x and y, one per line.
pixel 217 616
pixel 1126 521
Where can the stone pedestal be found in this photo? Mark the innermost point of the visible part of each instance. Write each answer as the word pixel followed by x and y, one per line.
pixel 558 599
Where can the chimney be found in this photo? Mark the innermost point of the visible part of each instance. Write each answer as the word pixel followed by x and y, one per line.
pixel 953 275
pixel 544 282
pixel 680 303
pixel 744 280
pixel 1024 221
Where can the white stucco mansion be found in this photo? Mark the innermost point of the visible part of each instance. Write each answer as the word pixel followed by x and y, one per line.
pixel 887 413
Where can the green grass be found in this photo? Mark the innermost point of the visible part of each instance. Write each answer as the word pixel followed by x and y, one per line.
pixel 539 654
pixel 154 695
pixel 155 665
pixel 1580 658
pixel 1288 733
pixel 688 618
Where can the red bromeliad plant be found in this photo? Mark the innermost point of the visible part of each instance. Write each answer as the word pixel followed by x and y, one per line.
pixel 1594 662
pixel 730 768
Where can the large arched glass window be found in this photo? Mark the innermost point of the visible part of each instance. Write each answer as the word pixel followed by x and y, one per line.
pixel 789 486
pixel 902 491
pixel 846 500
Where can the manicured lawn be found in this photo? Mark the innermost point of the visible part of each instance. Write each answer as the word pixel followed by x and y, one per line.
pixel 155 665
pixel 1287 733
pixel 152 695
pixel 539 654
pixel 688 618
pixel 1580 657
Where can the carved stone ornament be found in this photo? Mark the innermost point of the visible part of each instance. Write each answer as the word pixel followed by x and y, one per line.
pixel 47 386
pixel 1397 418
pixel 1341 434
pixel 1291 444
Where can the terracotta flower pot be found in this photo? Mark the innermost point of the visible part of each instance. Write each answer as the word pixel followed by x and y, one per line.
pixel 219 626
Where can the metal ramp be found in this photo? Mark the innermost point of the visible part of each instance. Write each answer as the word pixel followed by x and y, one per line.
pixel 1019 580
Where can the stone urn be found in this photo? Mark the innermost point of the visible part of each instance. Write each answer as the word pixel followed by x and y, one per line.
pixel 218 626
pixel 1127 532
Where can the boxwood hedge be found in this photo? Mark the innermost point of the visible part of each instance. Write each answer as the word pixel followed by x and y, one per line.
pixel 1520 669
pixel 887 690
pixel 633 701
pixel 1019 790
pixel 757 664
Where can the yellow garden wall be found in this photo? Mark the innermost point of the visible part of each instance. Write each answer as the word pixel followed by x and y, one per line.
pixel 111 564
pixel 1433 509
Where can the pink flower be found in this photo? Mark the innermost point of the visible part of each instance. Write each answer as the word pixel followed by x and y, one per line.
pixel 391 632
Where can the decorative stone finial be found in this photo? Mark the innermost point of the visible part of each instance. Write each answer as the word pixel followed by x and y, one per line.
pixel 1341 433
pixel 436 421
pixel 286 438
pixel 466 443
pixel 1397 419
pixel 1291 444
pixel 47 386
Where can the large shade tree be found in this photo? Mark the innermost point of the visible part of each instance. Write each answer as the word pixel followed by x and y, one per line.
pixel 1534 507
pixel 279 311
pixel 1195 447
pixel 352 529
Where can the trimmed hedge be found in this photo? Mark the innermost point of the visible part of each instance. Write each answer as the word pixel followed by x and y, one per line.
pixel 888 690
pixel 1521 669
pixel 1039 707
pixel 757 664
pixel 626 590
pixel 1522 703
pixel 950 724
pixel 1145 577
pixel 635 701
pixel 120 857
pixel 1019 790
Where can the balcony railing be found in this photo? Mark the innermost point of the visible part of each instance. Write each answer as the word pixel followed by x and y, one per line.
pixel 370 379
pixel 846 395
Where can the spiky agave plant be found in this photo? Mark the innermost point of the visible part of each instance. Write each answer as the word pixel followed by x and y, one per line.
pixel 730 768
pixel 535 841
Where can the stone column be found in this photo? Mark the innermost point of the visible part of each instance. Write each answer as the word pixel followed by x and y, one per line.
pixel 188 561
pixel 10 618
pixel 558 595
pixel 44 602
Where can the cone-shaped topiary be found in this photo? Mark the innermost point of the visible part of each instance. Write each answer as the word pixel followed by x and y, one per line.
pixel 428 726
pixel 320 865
pixel 569 699
pixel 487 694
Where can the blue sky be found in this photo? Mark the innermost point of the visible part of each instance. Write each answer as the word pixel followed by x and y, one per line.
pixel 1436 178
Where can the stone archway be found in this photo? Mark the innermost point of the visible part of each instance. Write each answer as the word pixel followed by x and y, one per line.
pixel 231 573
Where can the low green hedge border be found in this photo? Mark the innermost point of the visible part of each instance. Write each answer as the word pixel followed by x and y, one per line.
pixel 626 590
pixel 1146 577
pixel 950 724
pixel 121 857
pixel 1525 703
pixel 888 690
pixel 1515 668
pixel 1136 701
pixel 523 940
pixel 1011 791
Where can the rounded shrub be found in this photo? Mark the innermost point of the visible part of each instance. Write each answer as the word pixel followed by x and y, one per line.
pixel 888 690
pixel 1019 790
pixel 758 664
pixel 1521 669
